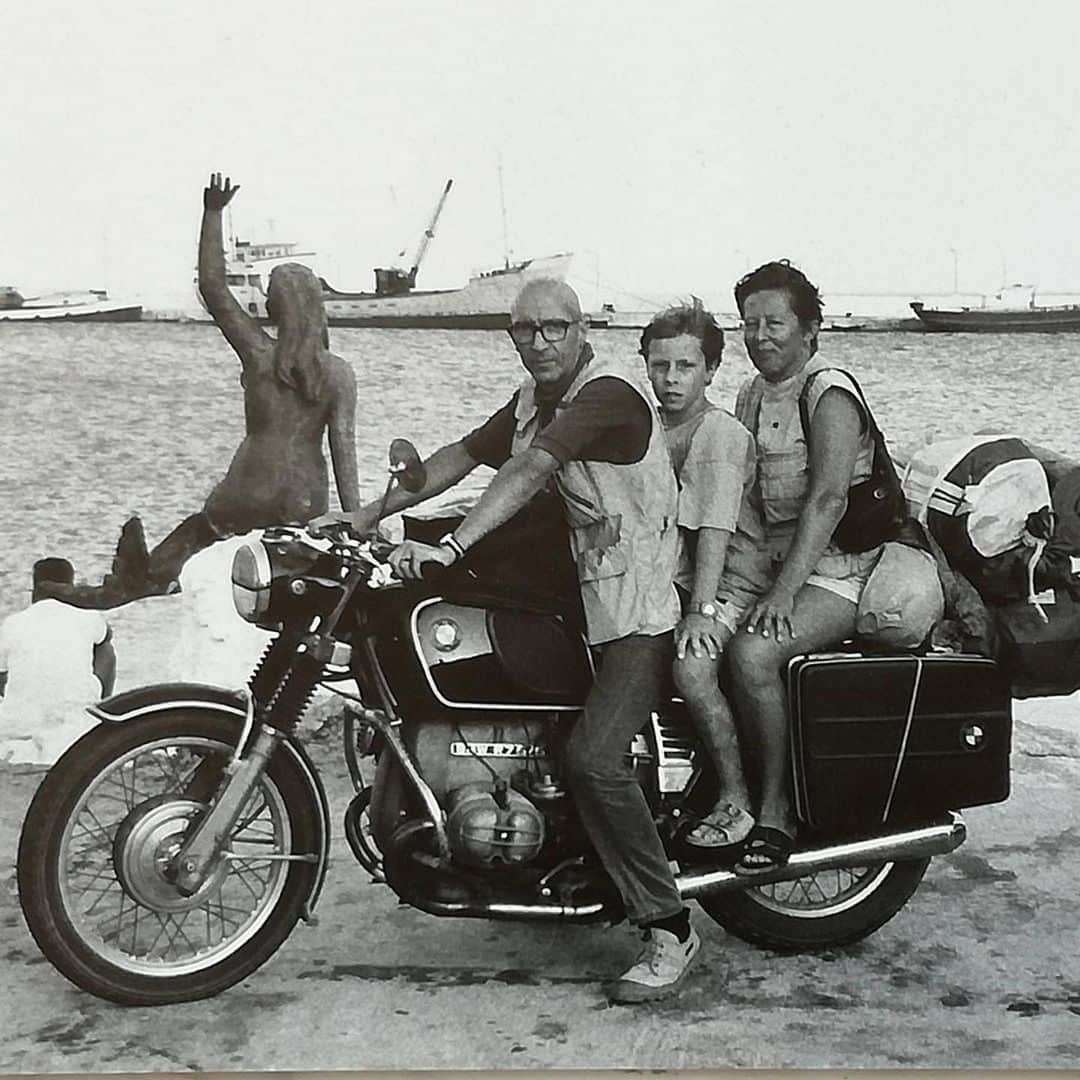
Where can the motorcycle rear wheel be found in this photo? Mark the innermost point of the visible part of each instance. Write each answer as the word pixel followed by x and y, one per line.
pixel 824 910
pixel 96 842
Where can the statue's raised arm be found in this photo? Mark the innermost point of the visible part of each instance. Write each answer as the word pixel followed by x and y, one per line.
pixel 241 331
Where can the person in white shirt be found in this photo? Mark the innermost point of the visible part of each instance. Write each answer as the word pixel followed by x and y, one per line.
pixel 54 661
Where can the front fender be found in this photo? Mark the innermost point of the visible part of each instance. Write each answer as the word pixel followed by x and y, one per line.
pixel 147 700
pixel 144 700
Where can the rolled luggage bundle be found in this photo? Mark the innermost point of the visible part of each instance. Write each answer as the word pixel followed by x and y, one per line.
pixel 1006 516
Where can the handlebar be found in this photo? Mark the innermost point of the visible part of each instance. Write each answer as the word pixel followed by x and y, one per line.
pixel 341 532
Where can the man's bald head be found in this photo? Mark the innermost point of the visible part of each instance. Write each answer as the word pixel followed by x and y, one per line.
pixel 552 298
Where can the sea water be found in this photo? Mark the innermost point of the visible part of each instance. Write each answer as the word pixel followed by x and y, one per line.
pixel 98 422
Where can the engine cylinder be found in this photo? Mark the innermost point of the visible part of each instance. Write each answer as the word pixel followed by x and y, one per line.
pixel 486 827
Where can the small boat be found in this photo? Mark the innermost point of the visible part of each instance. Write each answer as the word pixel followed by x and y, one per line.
pixel 1004 317
pixel 93 305
pixel 482 304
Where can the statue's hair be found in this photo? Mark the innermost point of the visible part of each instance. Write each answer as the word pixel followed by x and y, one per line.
pixel 294 299
pixel 693 319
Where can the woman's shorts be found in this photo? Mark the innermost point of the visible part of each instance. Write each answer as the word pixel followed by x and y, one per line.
pixel 843 573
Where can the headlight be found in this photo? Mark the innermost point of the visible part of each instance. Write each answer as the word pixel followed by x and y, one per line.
pixel 251 579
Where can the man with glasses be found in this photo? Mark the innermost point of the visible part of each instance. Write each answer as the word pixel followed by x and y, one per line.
pixel 588 426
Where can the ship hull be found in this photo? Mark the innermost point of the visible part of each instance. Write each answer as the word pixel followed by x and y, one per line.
pixel 111 313
pixel 482 304
pixel 1005 321
pixel 407 321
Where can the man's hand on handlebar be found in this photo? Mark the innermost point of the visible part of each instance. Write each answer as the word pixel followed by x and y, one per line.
pixel 409 559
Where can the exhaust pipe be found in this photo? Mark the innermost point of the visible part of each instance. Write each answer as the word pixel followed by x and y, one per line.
pixel 484 909
pixel 918 843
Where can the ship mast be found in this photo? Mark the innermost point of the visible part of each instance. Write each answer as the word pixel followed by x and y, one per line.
pixel 429 233
pixel 502 203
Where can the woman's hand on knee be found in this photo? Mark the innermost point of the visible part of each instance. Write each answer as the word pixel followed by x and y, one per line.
pixel 699 635
pixel 771 616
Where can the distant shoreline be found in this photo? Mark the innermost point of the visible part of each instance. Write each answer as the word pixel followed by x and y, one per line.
pixel 629 320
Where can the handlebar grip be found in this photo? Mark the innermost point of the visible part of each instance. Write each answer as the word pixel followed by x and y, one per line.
pixel 430 570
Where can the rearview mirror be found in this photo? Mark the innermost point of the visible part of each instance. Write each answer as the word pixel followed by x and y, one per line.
pixel 405 464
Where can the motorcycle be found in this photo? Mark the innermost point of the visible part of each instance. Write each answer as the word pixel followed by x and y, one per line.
pixel 171 850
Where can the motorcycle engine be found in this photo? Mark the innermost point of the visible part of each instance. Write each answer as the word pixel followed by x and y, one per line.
pixel 490 824
pixel 495 779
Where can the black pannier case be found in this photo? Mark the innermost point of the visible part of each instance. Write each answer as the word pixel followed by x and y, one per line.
pixel 896 739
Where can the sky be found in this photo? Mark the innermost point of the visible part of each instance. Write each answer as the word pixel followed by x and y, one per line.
pixel 670 145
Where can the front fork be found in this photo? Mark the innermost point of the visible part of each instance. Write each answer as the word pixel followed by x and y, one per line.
pixel 280 689
pixel 199 855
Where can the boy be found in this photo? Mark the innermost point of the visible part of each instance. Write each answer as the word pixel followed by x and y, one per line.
pixel 721 569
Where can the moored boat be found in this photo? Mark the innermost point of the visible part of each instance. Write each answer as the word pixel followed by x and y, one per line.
pixel 1004 317
pixel 93 305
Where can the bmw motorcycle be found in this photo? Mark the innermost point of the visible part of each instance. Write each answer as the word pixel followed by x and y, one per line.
pixel 172 849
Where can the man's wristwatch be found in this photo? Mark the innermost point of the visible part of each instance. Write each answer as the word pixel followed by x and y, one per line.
pixel 452 542
pixel 708 609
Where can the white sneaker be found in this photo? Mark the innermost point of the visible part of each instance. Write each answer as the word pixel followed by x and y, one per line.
pixel 659 970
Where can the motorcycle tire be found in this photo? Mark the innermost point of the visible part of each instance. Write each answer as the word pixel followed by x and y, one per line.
pixel 98 836
pixel 821 911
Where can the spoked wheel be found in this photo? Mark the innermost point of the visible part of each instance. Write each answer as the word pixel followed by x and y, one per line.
pixel 94 866
pixel 822 910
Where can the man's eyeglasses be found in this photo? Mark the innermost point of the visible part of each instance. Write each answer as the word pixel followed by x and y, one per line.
pixel 551 330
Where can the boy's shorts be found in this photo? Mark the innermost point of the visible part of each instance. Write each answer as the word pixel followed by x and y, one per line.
pixel 730 616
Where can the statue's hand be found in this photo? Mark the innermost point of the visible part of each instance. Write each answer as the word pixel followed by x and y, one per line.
pixel 218 195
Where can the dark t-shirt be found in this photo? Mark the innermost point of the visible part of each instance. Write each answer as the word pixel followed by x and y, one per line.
pixel 607 421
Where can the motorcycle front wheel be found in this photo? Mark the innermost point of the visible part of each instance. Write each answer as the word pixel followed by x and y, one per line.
pixel 823 910
pixel 96 846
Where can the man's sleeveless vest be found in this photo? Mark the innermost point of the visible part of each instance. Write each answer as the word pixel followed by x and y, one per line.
pixel 783 458
pixel 622 520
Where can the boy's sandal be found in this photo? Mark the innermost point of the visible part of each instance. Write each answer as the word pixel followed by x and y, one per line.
pixel 725 826
pixel 765 842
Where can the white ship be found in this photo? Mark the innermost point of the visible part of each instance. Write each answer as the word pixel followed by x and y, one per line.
pixel 93 305
pixel 482 304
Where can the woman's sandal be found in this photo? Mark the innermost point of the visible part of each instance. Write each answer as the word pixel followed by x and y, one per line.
pixel 765 842
pixel 725 826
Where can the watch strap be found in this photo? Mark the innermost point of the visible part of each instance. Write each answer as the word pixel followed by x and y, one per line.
pixel 452 542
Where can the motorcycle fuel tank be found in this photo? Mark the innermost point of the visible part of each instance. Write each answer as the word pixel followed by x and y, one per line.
pixel 481 657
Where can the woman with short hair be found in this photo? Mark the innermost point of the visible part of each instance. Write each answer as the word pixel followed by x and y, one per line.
pixel 804 478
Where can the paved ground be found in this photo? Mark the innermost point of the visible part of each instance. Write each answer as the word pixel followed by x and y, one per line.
pixel 980 970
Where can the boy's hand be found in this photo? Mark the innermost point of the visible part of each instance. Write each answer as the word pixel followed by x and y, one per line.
pixel 700 635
